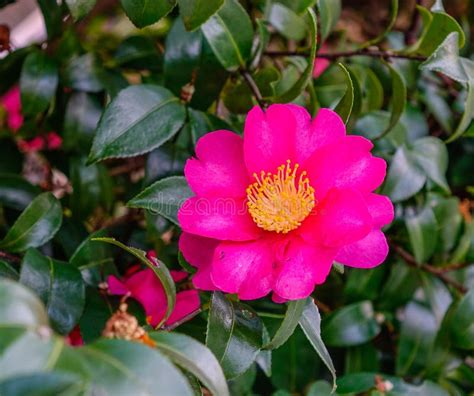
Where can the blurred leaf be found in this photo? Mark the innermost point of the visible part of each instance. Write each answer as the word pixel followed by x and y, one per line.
pixel 364 285
pixel 351 325
pixel 54 383
pixel 435 100
pixel 298 87
pixel 97 312
pixel 80 8
pixel 423 233
pixel 7 271
pixel 52 15
pixel 202 123
pixel 193 357
pixel 234 335
pixel 230 34
pixel 164 197
pixel 361 358
pixel 83 112
pixel 159 269
pixel 388 28
pixel 329 13
pixel 196 12
pixel 138 52
pixel 462 323
pixel 319 388
pixel 298 6
pixel 468 115
pixel 264 357
pixel 449 220
pixel 189 59
pixel 288 325
pixel 242 385
pixel 287 22
pixel 16 192
pixel 310 323
pixel 416 339
pixel 139 119
pixel 399 287
pixel 38 83
pixel 82 73
pixel 37 224
pixel 143 12
pixel 58 284
pixel 19 306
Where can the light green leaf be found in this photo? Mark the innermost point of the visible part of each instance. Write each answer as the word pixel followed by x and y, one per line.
pixel 462 323
pixel 196 12
pixel 423 233
pixel 344 107
pixel 329 13
pixel 287 22
pixel 144 12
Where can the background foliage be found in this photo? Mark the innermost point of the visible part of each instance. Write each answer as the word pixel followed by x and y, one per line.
pixel 130 88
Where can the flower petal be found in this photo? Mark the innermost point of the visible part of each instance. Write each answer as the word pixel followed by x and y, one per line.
pixel 199 251
pixel 303 267
pixel 366 253
pixel 219 169
pixel 345 163
pixel 187 302
pixel 380 208
pixel 269 138
pixel 341 218
pixel 326 128
pixel 245 268
pixel 116 286
pixel 219 218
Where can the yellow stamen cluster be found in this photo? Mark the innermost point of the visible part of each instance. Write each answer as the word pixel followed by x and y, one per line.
pixel 280 202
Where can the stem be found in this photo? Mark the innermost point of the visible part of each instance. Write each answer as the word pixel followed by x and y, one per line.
pixel 348 54
pixel 439 272
pixel 10 257
pixel 254 88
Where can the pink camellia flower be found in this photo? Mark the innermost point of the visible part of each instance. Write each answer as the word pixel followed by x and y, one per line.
pixel 146 288
pixel 274 209
pixel 12 105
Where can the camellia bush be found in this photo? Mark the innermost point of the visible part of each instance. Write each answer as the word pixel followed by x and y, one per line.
pixel 223 197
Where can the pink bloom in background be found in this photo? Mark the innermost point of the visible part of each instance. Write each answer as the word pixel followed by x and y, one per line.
pixel 12 104
pixel 146 288
pixel 321 64
pixel 52 141
pixel 274 209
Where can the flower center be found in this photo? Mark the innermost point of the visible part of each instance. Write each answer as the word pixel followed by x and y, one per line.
pixel 280 202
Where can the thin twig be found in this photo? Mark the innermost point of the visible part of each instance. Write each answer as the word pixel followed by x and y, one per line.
pixel 10 257
pixel 254 88
pixel 439 272
pixel 348 54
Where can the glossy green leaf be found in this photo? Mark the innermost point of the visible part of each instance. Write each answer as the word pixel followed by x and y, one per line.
pixel 230 34
pixel 16 192
pixel 196 12
pixel 462 323
pixel 37 224
pixel 164 197
pixel 20 306
pixel 139 119
pixel 388 28
pixel 300 84
pixel 58 284
pixel 310 323
pixel 431 155
pixel 159 268
pixel 345 105
pixel 288 325
pixel 143 12
pixel 423 233
pixel 298 6
pixel 329 13
pixel 351 325
pixel 468 115
pixel 38 82
pixel 234 335
pixel 193 357
pixel 80 8
pixel 287 22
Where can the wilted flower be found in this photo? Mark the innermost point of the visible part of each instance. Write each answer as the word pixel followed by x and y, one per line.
pixel 273 210
pixel 146 288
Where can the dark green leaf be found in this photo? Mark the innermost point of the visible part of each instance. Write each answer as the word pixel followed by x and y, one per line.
pixel 193 357
pixel 16 192
pixel 230 34
pixel 45 384
pixel 202 123
pixel 159 268
pixel 310 322
pixel 234 335
pixel 143 12
pixel 462 323
pixel 423 233
pixel 83 74
pixel 138 52
pixel 80 8
pixel 38 82
pixel 288 325
pixel 345 105
pixel 37 224
pixel 399 287
pixel 58 284
pixel 164 197
pixel 52 15
pixel 196 12
pixel 139 119
pixel 7 271
pixel 287 22
pixel 351 325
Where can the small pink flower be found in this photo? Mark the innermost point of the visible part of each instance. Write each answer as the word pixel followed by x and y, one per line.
pixel 320 64
pixel 146 288
pixel 12 104
pixel 274 209
pixel 74 338
pixel 32 145
pixel 53 141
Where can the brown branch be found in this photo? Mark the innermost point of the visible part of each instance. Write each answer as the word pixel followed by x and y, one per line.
pixel 10 257
pixel 439 272
pixel 348 54
pixel 254 88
